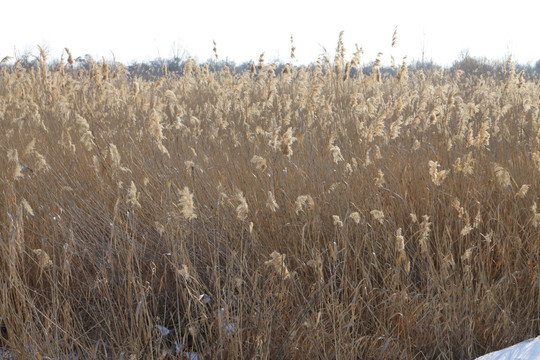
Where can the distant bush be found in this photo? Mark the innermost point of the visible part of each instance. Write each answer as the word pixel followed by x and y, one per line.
pixel 476 65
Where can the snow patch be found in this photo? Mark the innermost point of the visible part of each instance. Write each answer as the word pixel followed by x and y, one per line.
pixel 526 350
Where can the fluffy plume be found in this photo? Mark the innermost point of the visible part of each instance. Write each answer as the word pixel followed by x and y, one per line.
pixel 242 209
pixel 355 216
pixel 467 254
pixel 29 149
pixel 186 202
pixel 13 157
pixel 395 128
pixel 286 142
pixel 477 219
pixel 303 202
pixel 503 176
pixel 87 138
pixel 457 205
pixel 133 197
pixel 394 37
pixel 259 162
pixel 337 221
pixel 115 160
pixel 378 215
pixel 522 191
pixel 483 136
pixel 467 228
pixel 437 176
pixel 70 57
pixel 271 202
pixel 465 166
pixel 169 95
pixel 43 259
pixel 402 256
pixel 277 261
pixel 425 230
pixel 27 207
pixel 190 166
pixel 155 129
pixel 335 151
pixel 379 180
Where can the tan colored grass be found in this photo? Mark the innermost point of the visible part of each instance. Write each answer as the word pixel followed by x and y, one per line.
pixel 267 214
pixel 271 202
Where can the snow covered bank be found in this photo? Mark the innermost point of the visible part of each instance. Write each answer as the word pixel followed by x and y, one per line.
pixel 525 350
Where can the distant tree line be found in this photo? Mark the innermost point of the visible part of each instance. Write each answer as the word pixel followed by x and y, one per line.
pixel 175 66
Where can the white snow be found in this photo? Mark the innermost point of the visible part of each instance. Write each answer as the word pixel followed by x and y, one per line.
pixel 526 350
pixel 191 356
pixel 163 330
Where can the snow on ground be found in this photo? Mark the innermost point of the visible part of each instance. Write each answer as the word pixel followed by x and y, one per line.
pixel 526 350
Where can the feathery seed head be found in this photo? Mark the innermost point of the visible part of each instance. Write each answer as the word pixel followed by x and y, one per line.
pixel 304 201
pixel 355 216
pixel 271 202
pixel 437 176
pixel 242 209
pixel 259 162
pixel 277 261
pixel 503 176
pixel 133 197
pixel 337 221
pixel 187 204
pixel 522 191
pixel 378 215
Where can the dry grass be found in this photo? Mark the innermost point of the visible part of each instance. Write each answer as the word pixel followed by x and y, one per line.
pixel 310 214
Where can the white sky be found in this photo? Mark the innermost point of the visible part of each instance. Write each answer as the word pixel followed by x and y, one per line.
pixel 145 30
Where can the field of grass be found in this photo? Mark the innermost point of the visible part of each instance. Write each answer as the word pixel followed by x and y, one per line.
pixel 306 214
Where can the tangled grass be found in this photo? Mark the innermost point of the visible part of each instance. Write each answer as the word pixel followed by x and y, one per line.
pixel 310 214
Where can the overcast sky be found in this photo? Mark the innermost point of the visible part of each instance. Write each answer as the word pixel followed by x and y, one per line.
pixel 145 30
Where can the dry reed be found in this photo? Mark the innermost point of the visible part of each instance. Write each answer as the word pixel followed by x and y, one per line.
pixel 209 212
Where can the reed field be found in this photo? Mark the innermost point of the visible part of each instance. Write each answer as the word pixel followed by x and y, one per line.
pixel 322 212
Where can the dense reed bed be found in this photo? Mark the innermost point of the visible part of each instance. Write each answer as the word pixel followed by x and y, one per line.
pixel 305 214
